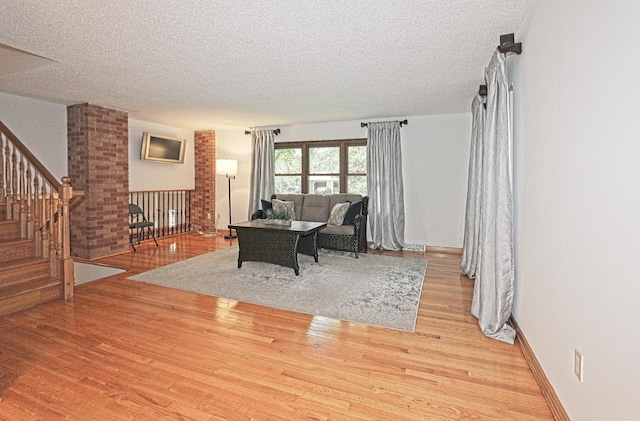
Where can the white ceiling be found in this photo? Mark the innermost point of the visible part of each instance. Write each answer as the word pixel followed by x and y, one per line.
pixel 218 64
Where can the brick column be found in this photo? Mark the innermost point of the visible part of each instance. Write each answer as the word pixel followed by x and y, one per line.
pixel 203 201
pixel 98 158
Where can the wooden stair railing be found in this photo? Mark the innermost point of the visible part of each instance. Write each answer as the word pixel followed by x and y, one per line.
pixel 40 203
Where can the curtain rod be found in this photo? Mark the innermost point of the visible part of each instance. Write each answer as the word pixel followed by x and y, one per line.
pixel 507 45
pixel 275 132
pixel 405 121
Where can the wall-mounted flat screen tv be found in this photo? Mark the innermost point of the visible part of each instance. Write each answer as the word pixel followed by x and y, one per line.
pixel 160 148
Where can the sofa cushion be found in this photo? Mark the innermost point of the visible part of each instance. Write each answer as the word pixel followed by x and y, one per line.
pixel 338 230
pixel 343 197
pixel 297 199
pixel 337 213
pixel 315 208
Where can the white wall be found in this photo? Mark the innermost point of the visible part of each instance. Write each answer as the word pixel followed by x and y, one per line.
pixel 435 160
pixel 577 195
pixel 148 175
pixel 435 154
pixel 233 144
pixel 41 126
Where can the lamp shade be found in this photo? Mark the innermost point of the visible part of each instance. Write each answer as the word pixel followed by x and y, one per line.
pixel 228 167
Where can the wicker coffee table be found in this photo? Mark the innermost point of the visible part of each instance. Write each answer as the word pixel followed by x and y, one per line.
pixel 278 244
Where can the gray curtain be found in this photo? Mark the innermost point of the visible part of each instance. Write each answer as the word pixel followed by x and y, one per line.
pixel 472 221
pixel 494 283
pixel 262 168
pixel 385 186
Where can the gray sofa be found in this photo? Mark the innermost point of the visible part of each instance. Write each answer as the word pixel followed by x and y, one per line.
pixel 317 208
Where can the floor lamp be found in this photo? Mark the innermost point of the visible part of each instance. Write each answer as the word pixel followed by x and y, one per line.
pixel 228 168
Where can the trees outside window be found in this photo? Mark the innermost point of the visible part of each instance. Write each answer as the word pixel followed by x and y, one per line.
pixel 357 169
pixel 321 167
pixel 288 170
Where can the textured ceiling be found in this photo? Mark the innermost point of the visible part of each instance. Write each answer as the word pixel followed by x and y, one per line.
pixel 222 64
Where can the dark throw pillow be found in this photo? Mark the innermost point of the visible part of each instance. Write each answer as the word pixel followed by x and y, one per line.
pixel 354 210
pixel 266 205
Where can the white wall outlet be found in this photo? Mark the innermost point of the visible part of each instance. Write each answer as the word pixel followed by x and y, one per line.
pixel 208 215
pixel 578 365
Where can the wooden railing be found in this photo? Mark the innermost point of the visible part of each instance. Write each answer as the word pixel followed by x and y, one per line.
pixel 40 203
pixel 169 210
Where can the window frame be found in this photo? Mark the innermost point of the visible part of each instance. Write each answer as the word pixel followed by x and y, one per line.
pixel 343 144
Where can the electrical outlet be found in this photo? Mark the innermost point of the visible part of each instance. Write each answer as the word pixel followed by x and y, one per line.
pixel 208 215
pixel 578 365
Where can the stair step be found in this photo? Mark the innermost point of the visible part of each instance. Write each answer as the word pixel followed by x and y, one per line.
pixel 14 250
pixel 14 298
pixel 9 230
pixel 27 286
pixel 20 270
pixel 24 279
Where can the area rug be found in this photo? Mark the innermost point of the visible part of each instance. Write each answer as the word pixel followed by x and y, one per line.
pixel 373 289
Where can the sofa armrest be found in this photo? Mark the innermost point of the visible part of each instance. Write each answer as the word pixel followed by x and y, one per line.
pixel 360 230
pixel 360 223
pixel 357 222
pixel 259 214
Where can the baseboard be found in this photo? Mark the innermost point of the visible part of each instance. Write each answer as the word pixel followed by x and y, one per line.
pixel 444 250
pixel 414 247
pixel 427 249
pixel 91 260
pixel 559 414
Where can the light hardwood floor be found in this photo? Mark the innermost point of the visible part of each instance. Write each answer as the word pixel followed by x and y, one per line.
pixel 124 350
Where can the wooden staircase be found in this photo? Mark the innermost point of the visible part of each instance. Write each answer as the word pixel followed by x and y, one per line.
pixel 25 280
pixel 35 262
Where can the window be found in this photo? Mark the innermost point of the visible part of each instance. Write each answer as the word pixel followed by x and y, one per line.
pixel 288 170
pixel 321 167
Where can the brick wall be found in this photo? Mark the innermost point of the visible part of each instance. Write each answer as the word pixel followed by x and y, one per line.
pixel 203 201
pixel 98 159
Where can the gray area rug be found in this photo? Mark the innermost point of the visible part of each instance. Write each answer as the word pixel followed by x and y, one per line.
pixel 376 290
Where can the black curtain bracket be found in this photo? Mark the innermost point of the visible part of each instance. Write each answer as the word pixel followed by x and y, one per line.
pixel 508 45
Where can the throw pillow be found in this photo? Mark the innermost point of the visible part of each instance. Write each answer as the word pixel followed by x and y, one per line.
pixel 337 214
pixel 355 209
pixel 266 204
pixel 280 206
